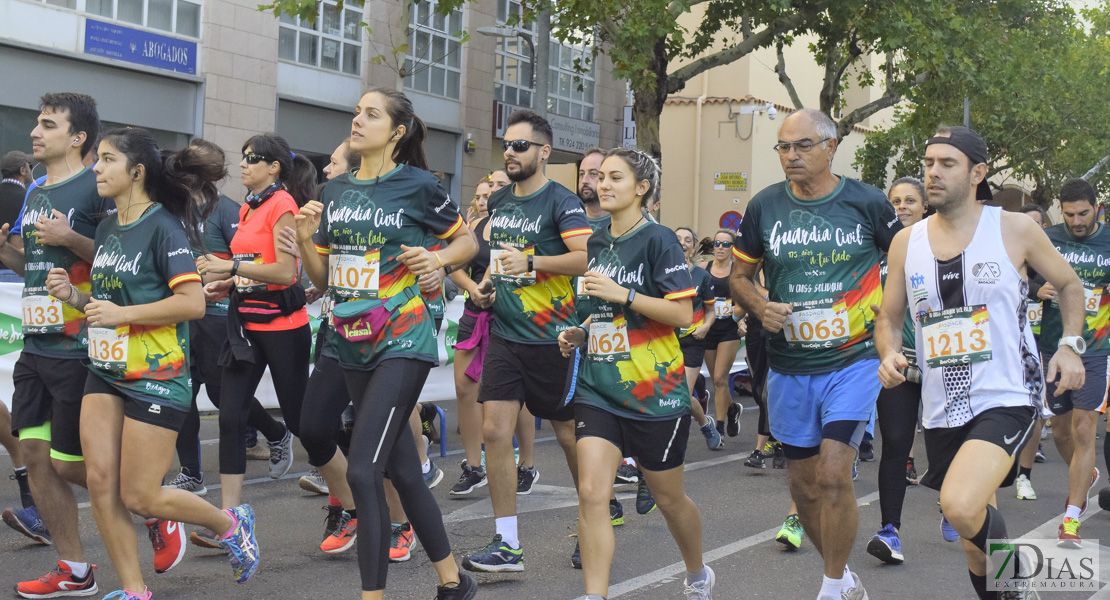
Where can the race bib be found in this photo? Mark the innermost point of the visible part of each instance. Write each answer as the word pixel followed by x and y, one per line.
pixel 496 268
pixel 42 314
pixel 355 275
pixel 817 325
pixel 246 285
pixel 722 308
pixel 608 341
pixel 580 286
pixel 108 347
pixel 1034 312
pixel 1092 298
pixel 957 336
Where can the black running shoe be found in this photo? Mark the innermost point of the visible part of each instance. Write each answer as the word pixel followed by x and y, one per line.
pixel 576 557
pixel 732 426
pixel 470 480
pixel 466 589
pixel 778 459
pixel 645 502
pixel 626 473
pixel 866 452
pixel 755 460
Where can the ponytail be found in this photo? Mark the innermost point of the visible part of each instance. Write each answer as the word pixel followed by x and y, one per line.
pixel 410 148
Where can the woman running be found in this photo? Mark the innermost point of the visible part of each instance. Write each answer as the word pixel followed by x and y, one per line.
pixel 692 338
pixel 144 289
pixel 363 241
pixel 898 406
pixel 267 321
pixel 723 340
pixel 631 398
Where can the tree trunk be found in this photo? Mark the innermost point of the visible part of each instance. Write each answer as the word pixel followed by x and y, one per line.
pixel 649 98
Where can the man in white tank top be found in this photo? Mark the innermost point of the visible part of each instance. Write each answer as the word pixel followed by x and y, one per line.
pixel 964 273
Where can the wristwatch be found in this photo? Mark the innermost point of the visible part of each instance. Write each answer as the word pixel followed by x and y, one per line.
pixel 1075 342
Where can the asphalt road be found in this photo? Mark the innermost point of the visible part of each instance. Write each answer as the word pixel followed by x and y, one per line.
pixel 742 510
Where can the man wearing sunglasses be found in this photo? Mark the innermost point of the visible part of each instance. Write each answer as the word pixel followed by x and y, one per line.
pixel 820 237
pixel 538 233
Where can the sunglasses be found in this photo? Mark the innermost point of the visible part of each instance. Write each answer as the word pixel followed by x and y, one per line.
pixel 720 244
pixel 519 145
pixel 254 159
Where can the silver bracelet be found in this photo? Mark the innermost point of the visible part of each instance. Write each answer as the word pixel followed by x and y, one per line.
pixel 74 294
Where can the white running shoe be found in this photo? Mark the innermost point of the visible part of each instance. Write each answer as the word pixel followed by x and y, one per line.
pixel 1025 488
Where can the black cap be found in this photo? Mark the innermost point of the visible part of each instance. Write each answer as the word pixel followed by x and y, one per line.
pixel 13 162
pixel 969 142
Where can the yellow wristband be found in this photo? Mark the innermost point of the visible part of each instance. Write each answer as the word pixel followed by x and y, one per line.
pixel 438 259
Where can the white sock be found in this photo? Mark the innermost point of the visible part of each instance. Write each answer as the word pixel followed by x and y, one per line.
pixel 1072 512
pixel 831 588
pixel 506 528
pixel 79 569
pixel 630 461
pixel 692 578
pixel 427 466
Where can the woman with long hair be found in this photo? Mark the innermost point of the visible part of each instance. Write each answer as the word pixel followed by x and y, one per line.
pixel 364 240
pixel 145 287
pixel 692 338
pixel 722 341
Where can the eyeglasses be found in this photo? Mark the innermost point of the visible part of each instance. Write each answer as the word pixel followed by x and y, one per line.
pixel 519 146
pixel 801 146
pixel 254 159
pixel 720 244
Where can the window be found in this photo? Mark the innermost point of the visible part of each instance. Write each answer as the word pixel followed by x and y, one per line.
pixel 569 92
pixel 332 42
pixel 174 16
pixel 512 67
pixel 434 58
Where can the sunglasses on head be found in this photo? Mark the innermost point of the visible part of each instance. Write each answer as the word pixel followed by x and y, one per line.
pixel 519 145
pixel 720 244
pixel 254 159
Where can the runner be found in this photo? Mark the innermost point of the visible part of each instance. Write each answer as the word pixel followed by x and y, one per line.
pixel 821 389
pixel 137 390
pixel 722 342
pixel 692 339
pixel 55 230
pixel 630 338
pixel 1031 453
pixel 538 233
pixel 898 407
pixel 378 219
pixel 19 468
pixel 1083 242
pixel 267 321
pixel 342 160
pixel 966 266
pixel 499 178
pixel 479 207
pixel 589 169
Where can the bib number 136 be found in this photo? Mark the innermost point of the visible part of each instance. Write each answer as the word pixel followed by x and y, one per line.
pixel 108 347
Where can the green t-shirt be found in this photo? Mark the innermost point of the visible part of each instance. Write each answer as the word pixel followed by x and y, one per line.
pixel 1090 258
pixel 909 336
pixel 702 299
pixel 141 263
pixel 364 224
pixel 821 257
pixel 437 306
pixel 217 230
pixel 50 327
pixel 533 308
pixel 633 365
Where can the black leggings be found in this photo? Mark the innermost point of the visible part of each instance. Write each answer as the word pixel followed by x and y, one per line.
pixel 381 442
pixel 897 408
pixel 206 337
pixel 322 412
pixel 286 353
pixel 758 367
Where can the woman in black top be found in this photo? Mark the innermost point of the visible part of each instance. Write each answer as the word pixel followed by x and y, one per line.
pixel 723 340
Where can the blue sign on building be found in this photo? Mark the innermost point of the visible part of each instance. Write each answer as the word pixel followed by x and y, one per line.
pixel 140 47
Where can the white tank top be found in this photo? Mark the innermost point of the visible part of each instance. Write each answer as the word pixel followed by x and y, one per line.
pixel 974 344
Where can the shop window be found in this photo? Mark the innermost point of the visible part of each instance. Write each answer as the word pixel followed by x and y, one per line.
pixel 434 58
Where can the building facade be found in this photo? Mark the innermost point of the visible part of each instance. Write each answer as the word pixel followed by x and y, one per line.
pixel 222 70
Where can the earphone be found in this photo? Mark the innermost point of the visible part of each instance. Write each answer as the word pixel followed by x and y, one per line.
pixel 75 140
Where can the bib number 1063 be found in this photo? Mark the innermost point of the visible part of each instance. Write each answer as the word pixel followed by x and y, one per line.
pixel 821 327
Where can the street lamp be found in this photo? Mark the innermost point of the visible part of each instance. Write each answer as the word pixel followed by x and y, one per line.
pixel 509 32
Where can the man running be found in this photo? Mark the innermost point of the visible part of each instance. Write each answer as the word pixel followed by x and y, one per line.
pixel 820 237
pixel 589 168
pixel 538 233
pixel 965 270
pixel 1084 243
pixel 57 228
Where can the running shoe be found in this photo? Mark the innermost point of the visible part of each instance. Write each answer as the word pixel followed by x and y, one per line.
pixel 856 592
pixel 258 452
pixel 645 502
pixel 701 590
pixel 59 582
pixel 886 546
pixel 778 460
pixel 344 536
pixel 732 426
pixel 433 476
pixel 576 556
pixel 1104 498
pixel 314 482
pixel 712 438
pixel 1083 509
pixel 402 541
pixel 466 589
pixel 185 481
pixel 755 460
pixel 331 522
pixel 626 473
pixel 471 479
pixel 126 595
pixel 791 533
pixel 526 477
pixel 866 451
pixel 1024 488
pixel 205 538
pixel 1069 534
pixel 28 522
pixel 947 531
pixel 168 540
pixel 428 416
pixel 616 513
pixel 241 545
pixel 281 456
pixel 911 473
pixel 496 557
pixel 1039 457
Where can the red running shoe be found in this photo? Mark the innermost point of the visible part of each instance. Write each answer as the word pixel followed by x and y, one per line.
pixel 59 582
pixel 168 539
